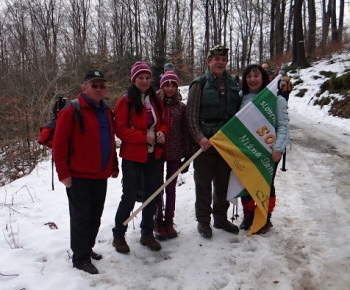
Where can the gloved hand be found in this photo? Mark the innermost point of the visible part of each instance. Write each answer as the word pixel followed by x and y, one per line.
pixel 183 162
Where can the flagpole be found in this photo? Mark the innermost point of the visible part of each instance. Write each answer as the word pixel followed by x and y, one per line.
pixel 194 156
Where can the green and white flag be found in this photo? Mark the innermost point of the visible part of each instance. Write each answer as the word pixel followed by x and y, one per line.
pixel 246 143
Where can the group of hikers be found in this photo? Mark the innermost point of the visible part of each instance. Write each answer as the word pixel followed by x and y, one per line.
pixel 156 130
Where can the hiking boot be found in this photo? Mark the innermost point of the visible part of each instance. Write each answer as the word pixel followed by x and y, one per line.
pixel 159 231
pixel 120 245
pixel 95 256
pixel 246 223
pixel 169 228
pixel 227 226
pixel 150 242
pixel 87 267
pixel 247 220
pixel 204 229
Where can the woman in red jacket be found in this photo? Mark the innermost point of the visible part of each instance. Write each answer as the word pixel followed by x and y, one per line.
pixel 141 125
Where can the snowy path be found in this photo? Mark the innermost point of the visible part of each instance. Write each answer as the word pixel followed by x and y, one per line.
pixel 314 206
pixel 305 249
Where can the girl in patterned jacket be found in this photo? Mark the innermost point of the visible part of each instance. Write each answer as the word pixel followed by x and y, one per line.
pixel 177 146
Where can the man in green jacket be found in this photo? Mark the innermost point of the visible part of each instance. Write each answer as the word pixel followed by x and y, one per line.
pixel 213 99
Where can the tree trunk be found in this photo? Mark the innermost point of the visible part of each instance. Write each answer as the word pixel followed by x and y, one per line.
pixel 207 25
pixel 298 41
pixel 261 29
pixel 191 44
pixel 290 25
pixel 311 44
pixel 272 28
pixel 279 26
pixel 334 21
pixel 326 21
pixel 341 21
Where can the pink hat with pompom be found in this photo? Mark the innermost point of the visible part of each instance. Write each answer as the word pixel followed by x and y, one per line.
pixel 138 68
pixel 169 77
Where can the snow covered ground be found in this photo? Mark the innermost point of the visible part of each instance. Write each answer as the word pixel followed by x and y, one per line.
pixel 307 248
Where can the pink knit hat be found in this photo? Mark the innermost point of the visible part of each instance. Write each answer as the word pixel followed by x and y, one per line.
pixel 138 68
pixel 169 77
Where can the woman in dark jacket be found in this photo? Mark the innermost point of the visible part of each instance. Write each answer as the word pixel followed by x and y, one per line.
pixel 141 125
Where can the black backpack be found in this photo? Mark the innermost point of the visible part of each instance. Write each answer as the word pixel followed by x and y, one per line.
pixel 47 131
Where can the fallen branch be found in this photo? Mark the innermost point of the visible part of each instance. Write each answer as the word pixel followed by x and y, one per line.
pixel 8 206
pixel 28 192
pixel 9 275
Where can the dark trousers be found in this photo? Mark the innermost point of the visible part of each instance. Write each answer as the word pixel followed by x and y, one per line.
pixel 151 178
pixel 211 175
pixel 86 201
pixel 170 192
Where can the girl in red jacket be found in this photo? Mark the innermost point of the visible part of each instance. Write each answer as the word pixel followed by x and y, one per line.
pixel 141 125
pixel 177 146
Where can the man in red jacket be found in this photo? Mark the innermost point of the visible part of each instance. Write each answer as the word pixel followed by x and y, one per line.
pixel 85 156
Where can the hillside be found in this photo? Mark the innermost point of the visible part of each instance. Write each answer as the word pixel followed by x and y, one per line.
pixel 326 84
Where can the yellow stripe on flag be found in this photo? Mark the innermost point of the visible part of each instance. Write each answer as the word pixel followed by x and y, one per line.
pixel 249 175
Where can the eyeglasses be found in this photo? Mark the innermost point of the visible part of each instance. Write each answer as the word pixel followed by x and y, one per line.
pixel 102 87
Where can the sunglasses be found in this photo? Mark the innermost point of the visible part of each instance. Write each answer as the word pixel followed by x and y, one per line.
pixel 102 87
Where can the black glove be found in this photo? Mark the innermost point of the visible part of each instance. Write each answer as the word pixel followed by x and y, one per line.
pixel 183 162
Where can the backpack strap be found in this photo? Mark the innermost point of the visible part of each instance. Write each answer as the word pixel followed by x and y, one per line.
pixel 202 81
pixel 130 108
pixel 77 114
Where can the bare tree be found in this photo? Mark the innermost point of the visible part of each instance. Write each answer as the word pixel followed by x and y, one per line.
pixel 341 21
pixel 311 43
pixel 326 15
pixel 298 35
pixel 334 30
pixel 159 27
pixel 246 22
pixel 206 44
pixel 77 38
pixel 279 28
pixel 289 26
pixel 191 38
pixel 102 47
pixel 272 28
pixel 260 14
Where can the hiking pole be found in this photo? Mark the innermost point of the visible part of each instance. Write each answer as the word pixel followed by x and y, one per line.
pixel 52 174
pixel 236 215
pixel 235 209
pixel 148 200
pixel 283 168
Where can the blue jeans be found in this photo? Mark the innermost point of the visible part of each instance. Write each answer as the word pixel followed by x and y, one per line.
pixel 150 174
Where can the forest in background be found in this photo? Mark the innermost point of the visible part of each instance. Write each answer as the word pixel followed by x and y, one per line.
pixel 46 47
